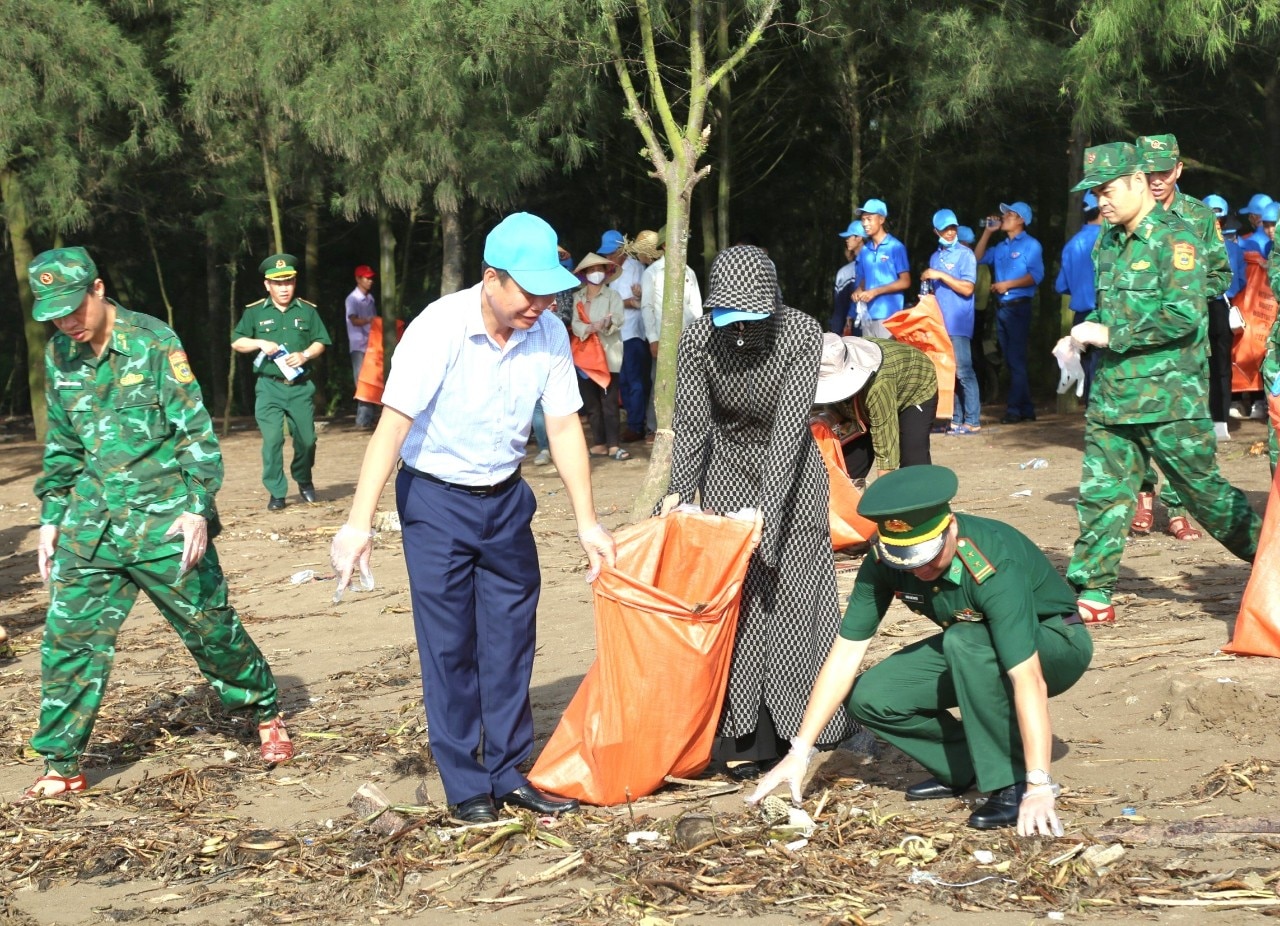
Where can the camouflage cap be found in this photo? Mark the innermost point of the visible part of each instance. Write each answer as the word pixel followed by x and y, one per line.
pixel 59 280
pixel 1104 163
pixel 1158 153
pixel 279 267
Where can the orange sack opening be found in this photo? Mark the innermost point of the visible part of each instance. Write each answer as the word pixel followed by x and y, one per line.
pixel 666 616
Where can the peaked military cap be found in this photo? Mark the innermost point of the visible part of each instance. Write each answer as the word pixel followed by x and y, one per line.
pixel 1158 153
pixel 912 510
pixel 279 267
pixel 59 280
pixel 1104 163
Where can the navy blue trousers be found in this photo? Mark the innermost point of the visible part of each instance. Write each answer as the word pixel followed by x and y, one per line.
pixel 474 582
pixel 636 362
pixel 1013 331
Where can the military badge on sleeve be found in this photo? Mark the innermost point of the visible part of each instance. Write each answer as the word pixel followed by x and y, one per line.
pixel 181 369
pixel 1184 256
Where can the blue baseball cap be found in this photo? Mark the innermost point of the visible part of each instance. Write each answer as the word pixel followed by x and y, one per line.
pixel 874 206
pixel 1257 202
pixel 1021 208
pixel 525 246
pixel 965 235
pixel 855 228
pixel 1217 204
pixel 1270 212
pixel 610 241
pixel 1090 201
pixel 944 219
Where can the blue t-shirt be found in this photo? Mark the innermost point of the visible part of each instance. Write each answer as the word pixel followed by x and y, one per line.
pixel 879 265
pixel 957 310
pixel 846 283
pixel 1235 258
pixel 1076 277
pixel 1258 241
pixel 1014 258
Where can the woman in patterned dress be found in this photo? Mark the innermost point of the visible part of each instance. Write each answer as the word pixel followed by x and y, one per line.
pixel 744 385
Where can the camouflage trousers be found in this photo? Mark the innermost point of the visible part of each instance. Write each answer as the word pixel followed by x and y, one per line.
pixel 1115 459
pixel 89 600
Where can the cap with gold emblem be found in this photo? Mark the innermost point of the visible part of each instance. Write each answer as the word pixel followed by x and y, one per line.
pixel 912 511
pixel 1104 163
pixel 59 280
pixel 1158 153
pixel 279 267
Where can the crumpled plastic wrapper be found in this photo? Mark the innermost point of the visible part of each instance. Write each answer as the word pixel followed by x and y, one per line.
pixel 1069 354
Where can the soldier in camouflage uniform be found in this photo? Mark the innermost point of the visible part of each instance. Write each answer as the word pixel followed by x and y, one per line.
pixel 1161 162
pixel 1270 370
pixel 1149 391
pixel 131 465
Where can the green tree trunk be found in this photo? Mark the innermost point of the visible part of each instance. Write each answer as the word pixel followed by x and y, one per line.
pixel 389 292
pixel 273 199
pixel 13 197
pixel 215 327
pixel 451 275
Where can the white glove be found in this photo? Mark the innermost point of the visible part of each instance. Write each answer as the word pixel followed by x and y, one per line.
pixel 195 538
pixel 862 316
pixel 792 769
pixel 598 544
pixel 45 547
pixel 1235 319
pixel 1036 815
pixel 669 504
pixel 351 546
pixel 1067 353
pixel 1088 334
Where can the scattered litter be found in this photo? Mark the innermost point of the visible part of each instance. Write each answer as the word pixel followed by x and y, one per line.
pixel 920 876
pixel 638 836
pixel 1035 463
pixel 1025 493
pixel 984 856
pixel 1129 812
pixel 1101 857
pixel 797 845
pixel 1226 681
pixel 1056 915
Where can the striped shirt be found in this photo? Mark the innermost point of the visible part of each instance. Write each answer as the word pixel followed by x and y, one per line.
pixel 470 398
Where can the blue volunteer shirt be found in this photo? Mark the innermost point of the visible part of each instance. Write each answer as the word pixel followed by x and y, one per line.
pixel 879 265
pixel 1258 241
pixel 1013 258
pixel 846 283
pixel 957 310
pixel 1235 258
pixel 1076 277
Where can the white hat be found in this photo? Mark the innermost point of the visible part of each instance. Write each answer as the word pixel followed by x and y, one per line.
pixel 845 367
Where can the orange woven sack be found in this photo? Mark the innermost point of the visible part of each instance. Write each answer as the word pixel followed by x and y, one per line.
pixel 370 385
pixel 1257 304
pixel 847 526
pixel 922 327
pixel 666 616
pixel 1257 631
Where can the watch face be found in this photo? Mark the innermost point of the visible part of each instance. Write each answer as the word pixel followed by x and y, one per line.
pixel 1037 777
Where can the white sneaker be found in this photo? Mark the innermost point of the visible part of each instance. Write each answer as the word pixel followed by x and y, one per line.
pixel 1236 412
pixel 543 458
pixel 1259 410
pixel 1220 430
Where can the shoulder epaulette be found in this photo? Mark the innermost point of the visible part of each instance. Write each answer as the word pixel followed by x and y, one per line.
pixel 978 565
pixel 255 303
pixel 304 301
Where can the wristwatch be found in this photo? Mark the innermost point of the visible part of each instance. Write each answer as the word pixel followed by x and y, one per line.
pixel 1038 776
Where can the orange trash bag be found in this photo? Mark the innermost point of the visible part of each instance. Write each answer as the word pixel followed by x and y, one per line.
pixel 666 617
pixel 370 384
pixel 922 327
pixel 1257 304
pixel 847 526
pixel 1257 631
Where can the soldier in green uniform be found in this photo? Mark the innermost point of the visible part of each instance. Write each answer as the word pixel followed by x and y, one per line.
pixel 1162 163
pixel 1149 397
pixel 1270 369
pixel 131 466
pixel 1009 640
pixel 283 322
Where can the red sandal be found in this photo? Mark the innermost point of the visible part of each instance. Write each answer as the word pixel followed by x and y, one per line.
pixel 1145 516
pixel 66 785
pixel 275 749
pixel 1095 612
pixel 1181 529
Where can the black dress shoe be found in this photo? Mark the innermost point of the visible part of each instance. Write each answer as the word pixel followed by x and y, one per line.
pixel 1011 418
pixel 931 789
pixel 308 493
pixel 750 771
pixel 530 798
pixel 1001 808
pixel 276 504
pixel 478 809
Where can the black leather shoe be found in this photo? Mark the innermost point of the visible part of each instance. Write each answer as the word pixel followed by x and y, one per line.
pixel 931 789
pixel 530 798
pixel 276 504
pixel 478 809
pixel 308 493
pixel 750 771
pixel 1001 808
pixel 1012 419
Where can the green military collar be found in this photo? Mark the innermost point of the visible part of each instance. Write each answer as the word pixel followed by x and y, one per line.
pixel 956 571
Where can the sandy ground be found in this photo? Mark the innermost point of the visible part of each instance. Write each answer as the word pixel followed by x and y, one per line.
pixel 1159 711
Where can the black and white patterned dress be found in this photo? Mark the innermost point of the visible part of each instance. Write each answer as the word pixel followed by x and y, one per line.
pixel 742 440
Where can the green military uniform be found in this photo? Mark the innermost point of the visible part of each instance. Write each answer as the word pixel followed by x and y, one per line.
pixel 998 602
pixel 1160 153
pixel 129 448
pixel 278 399
pixel 1150 389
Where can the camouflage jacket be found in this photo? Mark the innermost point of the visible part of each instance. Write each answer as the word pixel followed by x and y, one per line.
pixel 1201 220
pixel 130 445
pixel 1151 297
pixel 1270 369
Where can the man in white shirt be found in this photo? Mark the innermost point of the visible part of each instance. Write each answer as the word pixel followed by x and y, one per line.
pixel 652 285
pixel 637 363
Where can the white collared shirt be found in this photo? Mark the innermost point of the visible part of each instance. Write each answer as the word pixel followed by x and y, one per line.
pixel 471 399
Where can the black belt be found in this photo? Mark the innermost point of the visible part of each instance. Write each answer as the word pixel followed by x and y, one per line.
pixel 477 491
pixel 1004 302
pixel 296 381
pixel 1073 618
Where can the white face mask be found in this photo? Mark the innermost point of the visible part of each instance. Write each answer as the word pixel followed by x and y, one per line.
pixel 595 276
